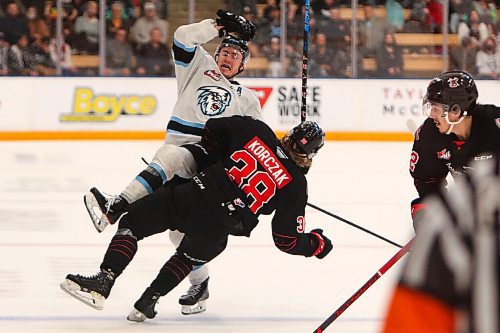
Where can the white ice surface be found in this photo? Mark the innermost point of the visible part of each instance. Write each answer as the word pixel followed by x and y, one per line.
pixel 45 233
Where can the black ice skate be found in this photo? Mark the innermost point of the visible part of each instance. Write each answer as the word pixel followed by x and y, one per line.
pixel 91 290
pixel 145 306
pixel 194 301
pixel 104 209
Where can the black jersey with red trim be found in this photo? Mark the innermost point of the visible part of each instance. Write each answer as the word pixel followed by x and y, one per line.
pixel 434 154
pixel 255 162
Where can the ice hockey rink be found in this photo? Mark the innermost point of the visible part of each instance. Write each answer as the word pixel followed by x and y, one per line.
pixel 45 233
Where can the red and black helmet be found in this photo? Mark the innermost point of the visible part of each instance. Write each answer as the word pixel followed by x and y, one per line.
pixel 451 89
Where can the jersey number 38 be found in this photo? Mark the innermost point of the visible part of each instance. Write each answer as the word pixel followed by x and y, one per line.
pixel 257 185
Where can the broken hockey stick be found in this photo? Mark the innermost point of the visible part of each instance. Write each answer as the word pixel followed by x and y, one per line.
pixel 305 49
pixel 365 287
pixel 353 224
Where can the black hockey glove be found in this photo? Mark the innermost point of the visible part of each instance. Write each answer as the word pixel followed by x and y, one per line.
pixel 235 23
pixel 324 244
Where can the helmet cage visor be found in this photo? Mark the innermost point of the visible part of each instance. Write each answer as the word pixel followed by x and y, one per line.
pixel 429 106
pixel 304 147
pixel 245 54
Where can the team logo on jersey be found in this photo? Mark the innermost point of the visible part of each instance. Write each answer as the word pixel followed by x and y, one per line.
pixel 213 100
pixel 212 74
pixel 444 154
pixel 497 121
pixel 453 82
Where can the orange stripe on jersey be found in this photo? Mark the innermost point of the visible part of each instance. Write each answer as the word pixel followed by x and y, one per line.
pixel 412 311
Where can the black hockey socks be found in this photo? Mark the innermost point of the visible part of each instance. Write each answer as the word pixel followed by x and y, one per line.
pixel 121 251
pixel 171 274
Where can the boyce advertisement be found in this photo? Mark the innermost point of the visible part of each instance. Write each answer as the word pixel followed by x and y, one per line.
pixel 98 106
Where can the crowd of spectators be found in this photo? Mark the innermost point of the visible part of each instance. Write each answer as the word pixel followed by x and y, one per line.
pixel 136 37
pixel 474 22
pixel 137 32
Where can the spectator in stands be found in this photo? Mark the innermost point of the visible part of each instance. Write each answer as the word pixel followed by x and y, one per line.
pixel 336 30
pixel 295 29
pixel 372 31
pixel 4 4
pixel 343 62
pixel 269 27
pixel 86 30
pixel 272 53
pixel 416 24
pixel 486 10
pixel 460 10
pixel 294 60
pixel 36 25
pixel 270 4
pixel 65 60
pixel 140 32
pixel 419 9
pixel 161 8
pixel 13 24
pixel 71 9
pixel 488 60
pixel 435 17
pixel 239 6
pixel 474 28
pixel 4 55
pixel 20 59
pixel 42 61
pixel 153 58
pixel 395 14
pixel 389 58
pixel 119 55
pixel 321 58
pixel 322 8
pixel 463 56
pixel 117 21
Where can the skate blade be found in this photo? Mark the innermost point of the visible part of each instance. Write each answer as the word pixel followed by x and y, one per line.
pixel 136 315
pixel 200 307
pixel 92 299
pixel 99 219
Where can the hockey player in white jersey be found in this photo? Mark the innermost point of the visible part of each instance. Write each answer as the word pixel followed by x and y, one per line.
pixel 206 89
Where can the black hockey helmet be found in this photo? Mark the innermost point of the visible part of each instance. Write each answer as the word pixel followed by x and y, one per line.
pixel 234 42
pixel 306 139
pixel 452 89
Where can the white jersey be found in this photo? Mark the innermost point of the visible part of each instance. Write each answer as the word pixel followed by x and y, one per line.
pixel 203 92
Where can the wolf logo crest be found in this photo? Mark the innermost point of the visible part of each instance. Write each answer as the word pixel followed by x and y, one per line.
pixel 213 100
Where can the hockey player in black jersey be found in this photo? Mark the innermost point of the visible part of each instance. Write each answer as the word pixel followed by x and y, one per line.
pixel 207 88
pixel 456 132
pixel 244 171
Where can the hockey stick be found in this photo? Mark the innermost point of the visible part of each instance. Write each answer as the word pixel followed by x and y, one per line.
pixel 305 49
pixel 353 224
pixel 412 126
pixel 365 287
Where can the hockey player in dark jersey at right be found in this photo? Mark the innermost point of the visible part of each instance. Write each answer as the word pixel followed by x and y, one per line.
pixel 456 132
pixel 244 171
